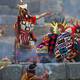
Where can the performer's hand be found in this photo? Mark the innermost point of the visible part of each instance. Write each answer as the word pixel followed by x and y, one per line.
pixel 49 13
pixel 44 14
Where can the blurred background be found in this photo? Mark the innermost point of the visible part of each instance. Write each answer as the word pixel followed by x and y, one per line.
pixel 8 8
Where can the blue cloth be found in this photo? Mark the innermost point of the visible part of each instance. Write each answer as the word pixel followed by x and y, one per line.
pixel 63 43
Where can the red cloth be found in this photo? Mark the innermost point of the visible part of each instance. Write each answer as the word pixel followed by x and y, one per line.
pixel 32 19
pixel 73 29
pixel 24 37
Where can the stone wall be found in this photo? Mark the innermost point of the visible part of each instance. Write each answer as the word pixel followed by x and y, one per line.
pixel 34 6
pixel 60 71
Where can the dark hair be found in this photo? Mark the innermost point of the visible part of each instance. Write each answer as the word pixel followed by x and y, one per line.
pixel 31 68
pixel 29 16
pixel 60 25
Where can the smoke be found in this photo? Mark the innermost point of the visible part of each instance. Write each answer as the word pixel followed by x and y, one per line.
pixel 72 7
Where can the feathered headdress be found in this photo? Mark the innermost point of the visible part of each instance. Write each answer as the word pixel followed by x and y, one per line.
pixel 22 5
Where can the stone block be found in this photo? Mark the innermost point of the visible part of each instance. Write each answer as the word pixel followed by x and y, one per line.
pixel 12 72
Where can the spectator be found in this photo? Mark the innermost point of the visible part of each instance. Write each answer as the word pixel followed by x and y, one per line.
pixel 30 74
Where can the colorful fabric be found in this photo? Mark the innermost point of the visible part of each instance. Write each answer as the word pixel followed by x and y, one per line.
pixel 42 49
pixel 24 34
pixel 64 44
pixel 25 23
pixel 71 29
pixel 77 50
pixel 51 43
pixel 77 44
pixel 32 19
pixel 43 46
pixel 24 27
pixel 24 37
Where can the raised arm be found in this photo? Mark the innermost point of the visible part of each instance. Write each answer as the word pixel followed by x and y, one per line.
pixel 43 14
